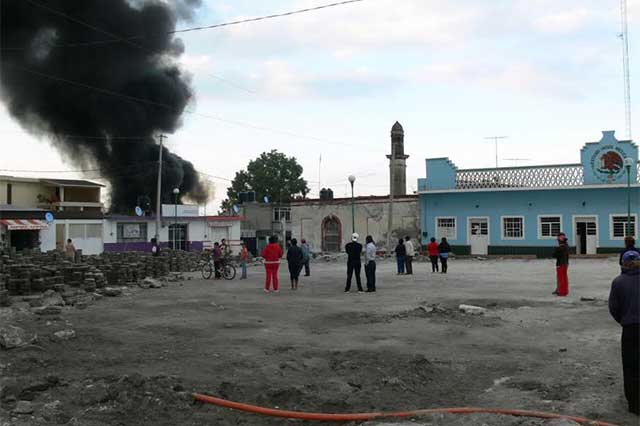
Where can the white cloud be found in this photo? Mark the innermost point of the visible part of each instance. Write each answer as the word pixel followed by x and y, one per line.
pixel 563 21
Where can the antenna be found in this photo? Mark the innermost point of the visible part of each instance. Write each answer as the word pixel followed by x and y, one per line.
pixel 495 139
pixel 624 37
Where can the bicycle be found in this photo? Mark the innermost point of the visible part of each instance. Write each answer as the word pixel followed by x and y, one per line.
pixel 226 269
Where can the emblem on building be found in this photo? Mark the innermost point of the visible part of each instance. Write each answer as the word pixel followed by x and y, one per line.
pixel 607 163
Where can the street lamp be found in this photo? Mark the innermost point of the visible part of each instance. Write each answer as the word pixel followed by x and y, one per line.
pixel 176 192
pixel 352 180
pixel 628 163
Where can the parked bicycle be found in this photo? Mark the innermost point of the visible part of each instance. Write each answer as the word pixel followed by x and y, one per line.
pixel 226 269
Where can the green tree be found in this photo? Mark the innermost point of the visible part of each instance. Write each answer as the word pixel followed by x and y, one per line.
pixel 272 174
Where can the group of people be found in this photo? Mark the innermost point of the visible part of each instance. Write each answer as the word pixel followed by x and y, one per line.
pixel 438 252
pixel 354 263
pixel 298 257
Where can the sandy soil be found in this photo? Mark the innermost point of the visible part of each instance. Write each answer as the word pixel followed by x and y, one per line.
pixel 136 358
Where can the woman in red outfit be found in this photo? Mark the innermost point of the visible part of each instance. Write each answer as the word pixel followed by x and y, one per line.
pixel 561 254
pixel 271 255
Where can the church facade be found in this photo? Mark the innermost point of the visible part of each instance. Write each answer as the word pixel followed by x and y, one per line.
pixel 327 223
pixel 520 210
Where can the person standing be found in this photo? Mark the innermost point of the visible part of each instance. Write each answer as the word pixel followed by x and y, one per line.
pixel 306 257
pixel 217 259
pixel 354 265
pixel 624 306
pixel 432 250
pixel 401 254
pixel 70 250
pixel 295 259
pixel 244 258
pixel 561 254
pixel 443 250
pixel 155 249
pixel 272 254
pixel 410 253
pixel 629 245
pixel 370 264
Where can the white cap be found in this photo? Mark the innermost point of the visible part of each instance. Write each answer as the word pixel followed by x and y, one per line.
pixel 354 237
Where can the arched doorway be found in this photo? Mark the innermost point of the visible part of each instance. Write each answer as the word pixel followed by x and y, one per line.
pixel 331 234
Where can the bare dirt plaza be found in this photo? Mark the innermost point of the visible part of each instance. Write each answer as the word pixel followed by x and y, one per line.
pixel 135 359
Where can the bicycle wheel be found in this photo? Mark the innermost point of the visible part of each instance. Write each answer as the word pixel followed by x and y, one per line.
pixel 229 272
pixel 207 270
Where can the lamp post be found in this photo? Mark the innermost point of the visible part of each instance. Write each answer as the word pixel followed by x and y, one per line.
pixel 352 180
pixel 628 162
pixel 176 192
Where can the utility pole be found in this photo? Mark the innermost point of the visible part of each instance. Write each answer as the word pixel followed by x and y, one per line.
pixel 495 139
pixel 159 190
pixel 624 37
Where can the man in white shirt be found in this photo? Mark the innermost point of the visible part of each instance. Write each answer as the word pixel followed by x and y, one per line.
pixel 410 253
pixel 370 264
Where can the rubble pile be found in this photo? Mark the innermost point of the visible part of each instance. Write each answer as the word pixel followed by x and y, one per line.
pixel 34 272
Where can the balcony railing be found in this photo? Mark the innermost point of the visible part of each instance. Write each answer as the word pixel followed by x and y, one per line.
pixel 521 177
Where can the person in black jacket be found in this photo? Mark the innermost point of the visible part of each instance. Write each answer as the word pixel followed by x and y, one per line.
pixel 354 264
pixel 444 249
pixel 401 256
pixel 295 259
pixel 629 245
pixel 561 254
pixel 624 306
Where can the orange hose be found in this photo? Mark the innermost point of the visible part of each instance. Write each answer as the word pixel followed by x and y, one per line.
pixel 324 417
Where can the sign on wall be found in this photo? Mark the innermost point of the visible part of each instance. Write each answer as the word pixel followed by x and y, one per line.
pixel 603 161
pixel 131 230
pixel 607 163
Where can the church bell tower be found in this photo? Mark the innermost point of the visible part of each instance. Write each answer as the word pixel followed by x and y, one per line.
pixel 397 162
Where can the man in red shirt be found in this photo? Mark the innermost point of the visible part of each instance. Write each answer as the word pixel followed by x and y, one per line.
pixel 272 254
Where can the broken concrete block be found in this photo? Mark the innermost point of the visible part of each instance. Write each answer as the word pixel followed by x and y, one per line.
pixel 23 407
pixel 472 310
pixel 48 310
pixel 152 283
pixel 14 337
pixel 112 291
pixel 65 334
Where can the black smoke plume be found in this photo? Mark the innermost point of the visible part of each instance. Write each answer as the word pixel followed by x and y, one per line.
pixel 62 79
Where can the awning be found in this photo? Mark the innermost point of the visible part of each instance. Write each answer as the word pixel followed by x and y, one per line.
pixel 24 224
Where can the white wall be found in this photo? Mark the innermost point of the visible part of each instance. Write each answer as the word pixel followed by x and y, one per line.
pixel 48 238
pixel 89 244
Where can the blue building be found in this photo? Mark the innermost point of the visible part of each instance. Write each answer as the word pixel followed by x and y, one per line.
pixel 520 210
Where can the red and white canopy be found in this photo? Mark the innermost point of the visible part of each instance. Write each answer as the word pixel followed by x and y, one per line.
pixel 24 224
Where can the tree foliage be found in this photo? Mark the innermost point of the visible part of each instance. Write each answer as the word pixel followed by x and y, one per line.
pixel 272 174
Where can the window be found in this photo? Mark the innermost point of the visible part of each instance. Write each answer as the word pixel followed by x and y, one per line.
pixel 9 194
pixel 132 232
pixel 549 226
pixel 178 237
pixel 94 230
pixel 446 227
pixel 76 231
pixel 619 226
pixel 280 213
pixel 512 228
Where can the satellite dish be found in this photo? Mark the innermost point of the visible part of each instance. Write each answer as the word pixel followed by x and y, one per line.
pixel 266 199
pixel 138 211
pixel 236 209
pixel 48 217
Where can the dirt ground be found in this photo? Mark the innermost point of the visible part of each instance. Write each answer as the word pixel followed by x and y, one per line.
pixel 136 358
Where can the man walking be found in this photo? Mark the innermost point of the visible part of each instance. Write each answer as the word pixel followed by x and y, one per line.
pixel 411 251
pixel 370 264
pixel 354 251
pixel 70 250
pixel 306 257
pixel 624 306
pixel 561 253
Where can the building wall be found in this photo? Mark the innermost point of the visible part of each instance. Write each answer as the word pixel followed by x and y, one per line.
pixel 87 235
pixel 371 219
pixel 530 204
pixel 23 194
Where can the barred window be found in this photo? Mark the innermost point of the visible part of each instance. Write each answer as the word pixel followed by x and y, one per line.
pixel 619 226
pixel 94 230
pixel 132 232
pixel 76 231
pixel 280 213
pixel 512 228
pixel 550 226
pixel 446 227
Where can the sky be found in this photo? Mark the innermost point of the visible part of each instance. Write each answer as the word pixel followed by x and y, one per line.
pixel 331 83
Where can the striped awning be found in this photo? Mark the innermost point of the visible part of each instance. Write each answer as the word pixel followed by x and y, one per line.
pixel 24 224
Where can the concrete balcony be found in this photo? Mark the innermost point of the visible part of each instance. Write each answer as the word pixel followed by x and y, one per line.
pixel 71 206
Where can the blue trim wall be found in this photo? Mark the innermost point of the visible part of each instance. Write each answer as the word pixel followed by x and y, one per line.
pixel 601 202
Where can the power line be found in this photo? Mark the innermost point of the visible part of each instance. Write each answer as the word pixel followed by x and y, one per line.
pixel 169 107
pixel 186 30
